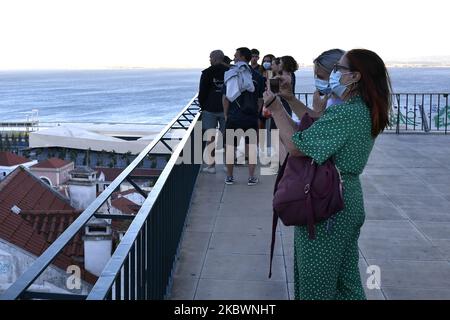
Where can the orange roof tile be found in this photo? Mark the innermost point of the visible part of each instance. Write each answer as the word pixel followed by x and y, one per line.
pixel 44 215
pixel 9 159
pixel 52 163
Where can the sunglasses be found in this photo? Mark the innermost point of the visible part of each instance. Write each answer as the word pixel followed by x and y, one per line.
pixel 338 66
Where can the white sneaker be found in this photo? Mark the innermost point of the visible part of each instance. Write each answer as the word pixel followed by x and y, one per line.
pixel 211 170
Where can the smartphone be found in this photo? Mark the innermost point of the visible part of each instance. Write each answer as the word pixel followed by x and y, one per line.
pixel 275 85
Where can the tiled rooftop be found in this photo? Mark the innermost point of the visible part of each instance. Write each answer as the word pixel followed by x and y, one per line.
pixel 113 173
pixel 125 205
pixel 225 248
pixel 52 163
pixel 9 159
pixel 44 215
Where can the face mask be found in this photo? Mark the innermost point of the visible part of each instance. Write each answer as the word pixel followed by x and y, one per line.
pixel 267 65
pixel 335 83
pixel 322 86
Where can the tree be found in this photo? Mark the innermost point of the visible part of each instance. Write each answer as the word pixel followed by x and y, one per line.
pixel 26 153
pixel 88 157
pixel 113 158
pixel 128 155
pixel 153 162
pixel 85 160
pixel 38 152
pixel 124 158
pixel 103 154
pixel 73 155
pixel 7 143
pixel 63 154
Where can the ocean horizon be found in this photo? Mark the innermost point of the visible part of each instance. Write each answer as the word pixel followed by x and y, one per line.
pixel 147 96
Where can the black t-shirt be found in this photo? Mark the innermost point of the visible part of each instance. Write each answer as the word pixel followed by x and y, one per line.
pixel 210 89
pixel 235 115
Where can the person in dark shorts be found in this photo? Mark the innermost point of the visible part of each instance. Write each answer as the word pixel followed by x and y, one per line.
pixel 242 114
pixel 210 100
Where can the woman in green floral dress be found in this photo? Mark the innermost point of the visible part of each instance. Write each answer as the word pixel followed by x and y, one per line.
pixel 327 267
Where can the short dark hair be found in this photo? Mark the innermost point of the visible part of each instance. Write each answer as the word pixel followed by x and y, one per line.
pixel 227 59
pixel 289 64
pixel 255 51
pixel 245 52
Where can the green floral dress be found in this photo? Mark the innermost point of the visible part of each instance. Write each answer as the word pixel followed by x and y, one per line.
pixel 327 267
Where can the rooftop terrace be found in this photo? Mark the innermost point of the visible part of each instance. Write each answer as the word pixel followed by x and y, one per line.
pixel 226 243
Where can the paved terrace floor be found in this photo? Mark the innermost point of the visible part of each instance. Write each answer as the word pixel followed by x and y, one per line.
pixel 225 248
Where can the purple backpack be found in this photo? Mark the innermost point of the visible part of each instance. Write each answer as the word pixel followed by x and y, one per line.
pixel 305 193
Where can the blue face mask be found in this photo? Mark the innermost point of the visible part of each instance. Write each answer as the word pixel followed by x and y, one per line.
pixel 335 83
pixel 267 65
pixel 322 86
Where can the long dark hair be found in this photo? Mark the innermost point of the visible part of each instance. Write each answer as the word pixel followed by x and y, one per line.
pixel 289 64
pixel 375 86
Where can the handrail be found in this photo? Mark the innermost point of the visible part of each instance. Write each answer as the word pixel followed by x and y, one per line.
pixel 42 262
pixel 412 112
pixel 114 265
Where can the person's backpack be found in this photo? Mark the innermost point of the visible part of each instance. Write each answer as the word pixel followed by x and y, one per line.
pixel 247 103
pixel 306 193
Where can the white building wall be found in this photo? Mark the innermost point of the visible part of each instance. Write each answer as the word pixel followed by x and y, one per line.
pixel 81 196
pixel 4 171
pixel 14 261
pixel 97 253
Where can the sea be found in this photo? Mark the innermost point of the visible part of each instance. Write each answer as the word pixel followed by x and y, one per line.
pixel 145 96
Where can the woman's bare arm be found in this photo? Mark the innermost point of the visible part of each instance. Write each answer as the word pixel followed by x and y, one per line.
pixel 285 124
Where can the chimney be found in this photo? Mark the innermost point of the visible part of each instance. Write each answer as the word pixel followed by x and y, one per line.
pixel 97 245
pixel 82 187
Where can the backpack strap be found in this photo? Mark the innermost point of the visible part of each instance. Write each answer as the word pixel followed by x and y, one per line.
pixel 275 215
pixel 309 207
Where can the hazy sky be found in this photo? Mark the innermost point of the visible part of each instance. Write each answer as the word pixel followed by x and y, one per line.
pixel 47 34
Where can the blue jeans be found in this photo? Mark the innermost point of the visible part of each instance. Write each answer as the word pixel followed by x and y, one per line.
pixel 211 119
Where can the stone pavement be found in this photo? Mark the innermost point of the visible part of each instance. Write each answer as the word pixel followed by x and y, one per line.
pixel 226 244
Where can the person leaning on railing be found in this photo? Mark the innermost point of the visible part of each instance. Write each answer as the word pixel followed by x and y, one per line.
pixel 327 267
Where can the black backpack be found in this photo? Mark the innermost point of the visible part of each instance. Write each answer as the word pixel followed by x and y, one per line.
pixel 247 103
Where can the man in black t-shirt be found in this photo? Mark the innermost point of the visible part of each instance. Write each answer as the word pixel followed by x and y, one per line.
pixel 242 114
pixel 210 100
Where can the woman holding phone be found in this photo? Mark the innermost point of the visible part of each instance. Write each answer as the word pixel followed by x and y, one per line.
pixel 327 267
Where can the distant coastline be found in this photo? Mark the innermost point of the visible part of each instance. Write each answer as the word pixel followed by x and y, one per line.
pixel 389 64
pixel 406 65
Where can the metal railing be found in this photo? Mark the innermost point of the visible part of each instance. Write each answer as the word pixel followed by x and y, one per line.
pixel 141 265
pixel 412 112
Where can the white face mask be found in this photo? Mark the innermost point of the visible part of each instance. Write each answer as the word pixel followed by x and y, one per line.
pixel 267 65
pixel 335 83
pixel 322 86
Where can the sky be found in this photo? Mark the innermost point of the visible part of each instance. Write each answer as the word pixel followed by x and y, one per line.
pixel 91 34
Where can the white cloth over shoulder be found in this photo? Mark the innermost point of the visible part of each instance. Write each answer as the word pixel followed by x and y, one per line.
pixel 237 80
